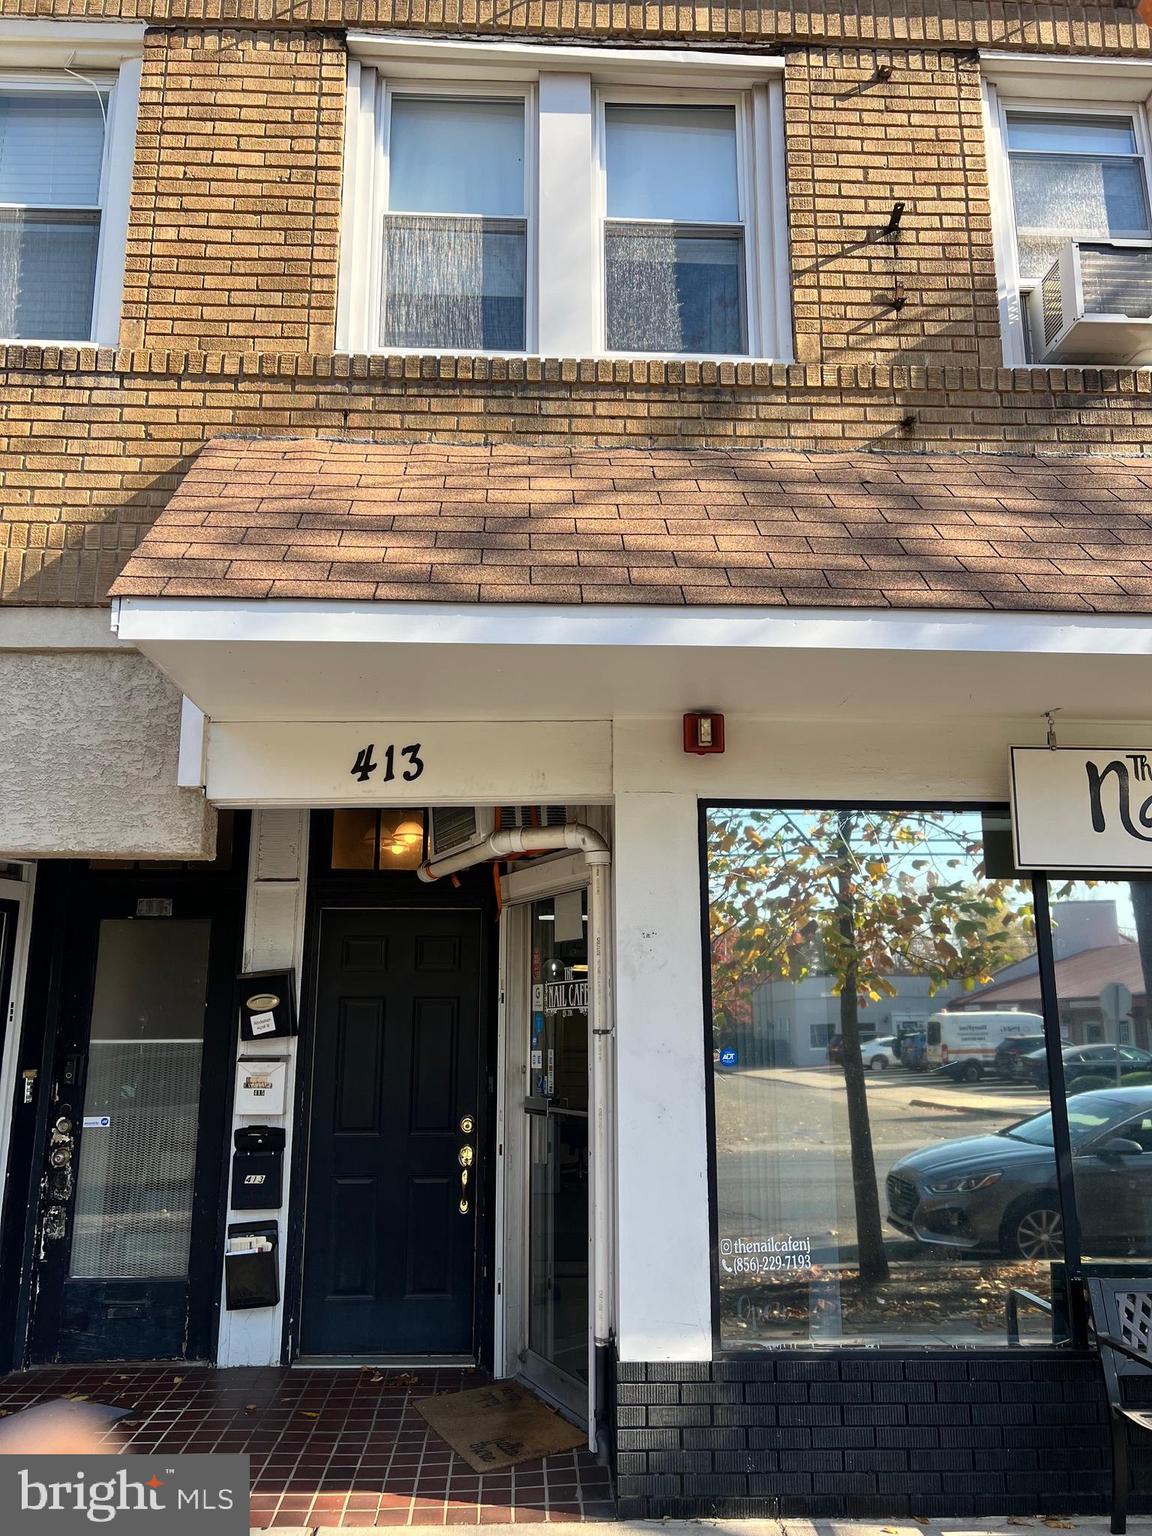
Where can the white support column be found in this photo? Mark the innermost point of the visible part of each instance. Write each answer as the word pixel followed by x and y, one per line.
pixel 273 940
pixel 568 292
pixel 664 1307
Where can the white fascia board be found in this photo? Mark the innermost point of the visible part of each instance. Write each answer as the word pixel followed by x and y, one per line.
pixel 428 57
pixel 1073 77
pixel 142 620
pixel 69 44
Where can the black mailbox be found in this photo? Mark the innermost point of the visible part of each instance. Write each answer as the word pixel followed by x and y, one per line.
pixel 251 1269
pixel 258 1168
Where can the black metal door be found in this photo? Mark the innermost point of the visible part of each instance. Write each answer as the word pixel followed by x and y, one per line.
pixel 390 1231
pixel 132 1139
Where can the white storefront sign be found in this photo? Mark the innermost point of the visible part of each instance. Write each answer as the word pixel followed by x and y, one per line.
pixel 1079 808
pixel 326 763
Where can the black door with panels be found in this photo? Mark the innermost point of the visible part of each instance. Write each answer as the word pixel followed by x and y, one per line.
pixel 390 1254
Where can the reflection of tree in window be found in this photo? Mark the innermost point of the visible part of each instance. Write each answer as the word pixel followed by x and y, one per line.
pixel 861 899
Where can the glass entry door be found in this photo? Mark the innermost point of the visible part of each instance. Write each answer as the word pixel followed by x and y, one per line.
pixel 558 1184
pixel 129 1197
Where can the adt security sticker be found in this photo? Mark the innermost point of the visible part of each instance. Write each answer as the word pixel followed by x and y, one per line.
pixel 97 1122
pixel 728 1057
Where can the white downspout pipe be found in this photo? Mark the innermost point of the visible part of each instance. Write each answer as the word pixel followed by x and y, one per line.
pixel 573 834
pixel 586 840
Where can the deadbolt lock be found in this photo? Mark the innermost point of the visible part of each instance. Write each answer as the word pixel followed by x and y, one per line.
pixel 466 1124
pixel 60 1157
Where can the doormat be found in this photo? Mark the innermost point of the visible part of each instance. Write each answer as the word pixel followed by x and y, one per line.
pixel 498 1426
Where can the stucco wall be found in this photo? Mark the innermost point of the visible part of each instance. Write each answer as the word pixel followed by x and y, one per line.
pixel 88 748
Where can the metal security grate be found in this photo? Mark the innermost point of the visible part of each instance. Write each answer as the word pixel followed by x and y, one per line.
pixel 135 1176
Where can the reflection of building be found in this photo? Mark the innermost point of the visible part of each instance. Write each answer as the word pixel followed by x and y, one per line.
pixel 792 1021
pixel 1091 955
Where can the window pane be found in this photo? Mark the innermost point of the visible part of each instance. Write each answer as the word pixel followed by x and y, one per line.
pixel 136 1171
pixel 47 275
pixel 452 156
pixel 861 1195
pixel 1063 134
pixel 669 290
pixel 1088 199
pixel 51 146
pixel 1102 935
pixel 456 283
pixel 672 163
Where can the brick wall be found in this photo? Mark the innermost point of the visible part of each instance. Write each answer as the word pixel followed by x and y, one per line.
pixel 93 444
pixel 235 225
pixel 232 271
pixel 863 1435
pixel 856 145
pixel 1088 26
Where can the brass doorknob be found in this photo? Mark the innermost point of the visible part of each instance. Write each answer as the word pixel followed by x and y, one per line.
pixel 464 1156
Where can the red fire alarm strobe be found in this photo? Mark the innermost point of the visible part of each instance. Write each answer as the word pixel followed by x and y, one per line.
pixel 703 734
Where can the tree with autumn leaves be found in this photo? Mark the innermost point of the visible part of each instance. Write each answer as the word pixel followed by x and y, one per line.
pixel 860 897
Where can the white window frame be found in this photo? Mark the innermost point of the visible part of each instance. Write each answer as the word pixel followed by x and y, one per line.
pixel 122 89
pixel 1051 87
pixel 565 272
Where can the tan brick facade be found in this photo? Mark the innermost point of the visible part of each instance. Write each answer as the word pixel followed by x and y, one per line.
pixel 234 239
pixel 230 288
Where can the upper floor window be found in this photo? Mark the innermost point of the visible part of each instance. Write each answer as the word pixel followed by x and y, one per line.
pixel 454 267
pixel 559 213
pixel 1074 176
pixel 65 162
pixel 1072 215
pixel 674 259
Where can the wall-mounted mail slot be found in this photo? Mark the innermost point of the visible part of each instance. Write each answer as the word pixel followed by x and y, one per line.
pixel 266 1001
pixel 261 1085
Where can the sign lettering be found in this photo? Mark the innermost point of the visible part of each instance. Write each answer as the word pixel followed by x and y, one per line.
pixel 1077 808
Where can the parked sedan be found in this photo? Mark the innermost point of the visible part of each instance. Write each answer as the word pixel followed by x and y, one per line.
pixel 1008 1061
pixel 997 1194
pixel 1089 1061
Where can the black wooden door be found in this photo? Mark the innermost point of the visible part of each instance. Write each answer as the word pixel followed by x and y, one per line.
pixel 131 1154
pixel 390 1229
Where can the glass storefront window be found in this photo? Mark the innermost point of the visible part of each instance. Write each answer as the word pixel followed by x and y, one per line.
pixel 1102 955
pixel 884 1172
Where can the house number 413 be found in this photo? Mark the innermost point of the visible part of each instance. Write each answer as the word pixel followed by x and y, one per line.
pixel 366 765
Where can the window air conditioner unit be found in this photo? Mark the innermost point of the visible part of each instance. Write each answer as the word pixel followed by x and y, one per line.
pixel 1096 304
pixel 455 827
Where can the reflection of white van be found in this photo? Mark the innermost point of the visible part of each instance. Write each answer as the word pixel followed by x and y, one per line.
pixel 963 1044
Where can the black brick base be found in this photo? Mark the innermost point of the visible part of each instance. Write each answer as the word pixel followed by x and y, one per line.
pixel 863 1434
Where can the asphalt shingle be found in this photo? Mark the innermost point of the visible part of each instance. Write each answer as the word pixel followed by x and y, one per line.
pixel 285 517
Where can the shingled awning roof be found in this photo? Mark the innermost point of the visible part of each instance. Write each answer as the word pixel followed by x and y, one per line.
pixel 291 518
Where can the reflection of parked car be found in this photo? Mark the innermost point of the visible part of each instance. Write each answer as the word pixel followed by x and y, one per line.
pixel 1089 1061
pixel 836 1048
pixel 1007 1061
pixel 998 1193
pixel 878 1055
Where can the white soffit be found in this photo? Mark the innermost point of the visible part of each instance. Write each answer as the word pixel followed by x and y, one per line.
pixel 68 44
pixel 1067 78
pixel 450 58
pixel 240 660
